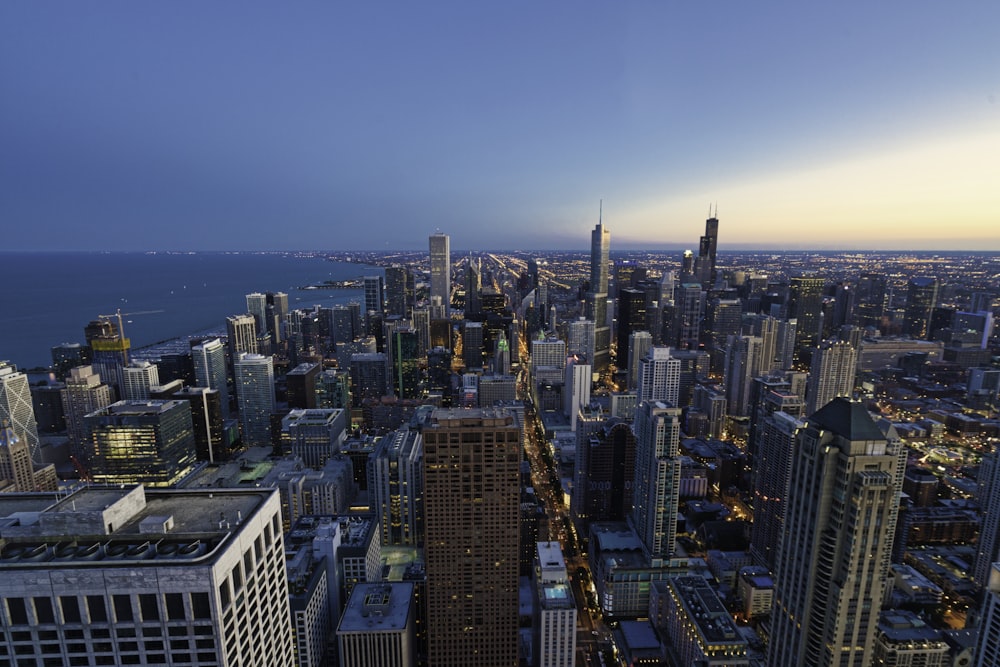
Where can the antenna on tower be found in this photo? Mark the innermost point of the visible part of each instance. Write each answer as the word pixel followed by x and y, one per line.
pixel 600 214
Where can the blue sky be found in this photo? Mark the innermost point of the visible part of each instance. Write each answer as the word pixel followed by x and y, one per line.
pixel 346 125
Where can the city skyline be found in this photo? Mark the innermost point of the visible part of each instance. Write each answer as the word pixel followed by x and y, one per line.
pixel 368 128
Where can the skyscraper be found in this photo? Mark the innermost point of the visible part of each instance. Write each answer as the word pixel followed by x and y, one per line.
pixel 831 374
pixel 639 344
pixel 805 304
pixel 140 442
pixel 631 318
pixel 472 511
pixel 921 297
pixel 374 295
pixel 775 449
pixel 15 406
pixel 137 378
pixel 440 248
pixel 743 364
pixel 242 336
pixel 396 294
pixel 109 350
pixel 704 265
pixel 657 478
pixel 832 563
pixel 659 377
pixel 555 626
pixel 254 381
pixel 396 487
pixel 209 360
pixel 597 297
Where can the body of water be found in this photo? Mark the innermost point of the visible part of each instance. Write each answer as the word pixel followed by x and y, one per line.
pixel 50 297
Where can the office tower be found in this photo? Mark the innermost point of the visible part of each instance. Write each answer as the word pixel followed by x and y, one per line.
pixel 315 436
pixel 473 285
pixel 257 306
pixel 973 327
pixel 831 374
pixel 108 350
pixel 784 344
pixel 407 376
pixel 343 325
pixel 15 406
pixel 772 462
pixel 597 297
pixel 471 515
pixel 494 389
pixel 659 377
pixel 137 378
pixel 704 265
pixel 580 338
pixel 554 626
pixel 152 577
pixel 374 294
pixel 590 419
pixel 501 358
pixel 743 364
pixel 254 380
pixel 576 388
pixel 377 628
pixel 333 389
pixel 869 299
pixel 396 277
pixel 67 356
pixel 639 345
pixel 610 468
pixel 396 487
pixel 140 442
pixel 988 495
pixel 768 329
pixel 207 422
pixel 422 325
pixel 688 313
pixel 368 377
pixel 472 345
pixel 209 360
pixel 46 403
pixel 805 301
pixel 723 320
pixel 631 318
pixel 656 486
pixel 440 287
pixel 921 298
pixel 832 562
pixel 548 359
pixel 15 461
pixel 242 336
pixel 84 393
pixel 301 382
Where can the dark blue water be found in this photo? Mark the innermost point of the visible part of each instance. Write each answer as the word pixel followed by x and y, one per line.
pixel 48 298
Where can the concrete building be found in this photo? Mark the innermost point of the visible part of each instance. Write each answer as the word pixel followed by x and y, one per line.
pixel 254 375
pixel 471 510
pixel 554 626
pixel 137 378
pixel 700 629
pixel 659 377
pixel 209 360
pixel 396 487
pixel 377 628
pixel 15 406
pixel 440 286
pixel 315 435
pixel 151 577
pixel 656 484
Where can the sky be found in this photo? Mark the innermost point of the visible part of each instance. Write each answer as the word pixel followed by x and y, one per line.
pixel 367 126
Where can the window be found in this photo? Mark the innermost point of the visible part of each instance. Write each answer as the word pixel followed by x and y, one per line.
pixel 97 609
pixel 200 605
pixel 149 606
pixel 18 611
pixel 44 611
pixel 70 609
pixel 175 606
pixel 123 607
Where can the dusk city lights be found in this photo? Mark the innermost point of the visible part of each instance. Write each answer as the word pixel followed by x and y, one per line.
pixel 500 335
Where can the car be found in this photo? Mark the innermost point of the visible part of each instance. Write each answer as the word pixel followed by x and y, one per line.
pixel 595 633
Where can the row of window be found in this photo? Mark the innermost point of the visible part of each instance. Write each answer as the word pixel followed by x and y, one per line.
pixel 71 609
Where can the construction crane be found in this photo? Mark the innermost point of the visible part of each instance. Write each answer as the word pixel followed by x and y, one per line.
pixel 121 327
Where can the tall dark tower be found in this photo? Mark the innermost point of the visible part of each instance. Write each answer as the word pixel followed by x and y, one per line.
pixel 704 266
pixel 597 297
pixel 921 297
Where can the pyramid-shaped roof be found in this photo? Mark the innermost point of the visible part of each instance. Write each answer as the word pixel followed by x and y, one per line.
pixel 848 420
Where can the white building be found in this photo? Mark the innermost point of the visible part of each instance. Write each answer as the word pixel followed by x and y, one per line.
pixel 255 395
pixel 137 378
pixel 209 359
pixel 377 628
pixel 15 405
pixel 555 624
pixel 659 377
pixel 150 577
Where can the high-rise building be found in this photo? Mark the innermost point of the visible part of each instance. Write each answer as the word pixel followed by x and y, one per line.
pixel 548 359
pixel 704 264
pixel 377 628
pixel 576 388
pixel 137 378
pixel 15 464
pixel 554 628
pixel 597 297
pixel 988 646
pixel 473 285
pixel 659 377
pixel 688 313
pixel 315 436
pixel 606 489
pixel 723 320
pixel 140 442
pixel 374 294
pixel 151 577
pixel 639 345
pixel 84 393
pixel 15 406
pixel 440 248
pixel 657 478
pixel 254 380
pixel 396 296
pixel 396 487
pixel 805 305
pixel 242 336
pixel 580 338
pixel 368 377
pixel 772 462
pixel 631 318
pixel 207 421
pixel 743 364
pixel 832 562
pixel 67 356
pixel 209 360
pixel 988 495
pixel 471 513
pixel 257 306
pixel 831 374
pixel 472 345
pixel 108 350
pixel 921 298
pixel 501 357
